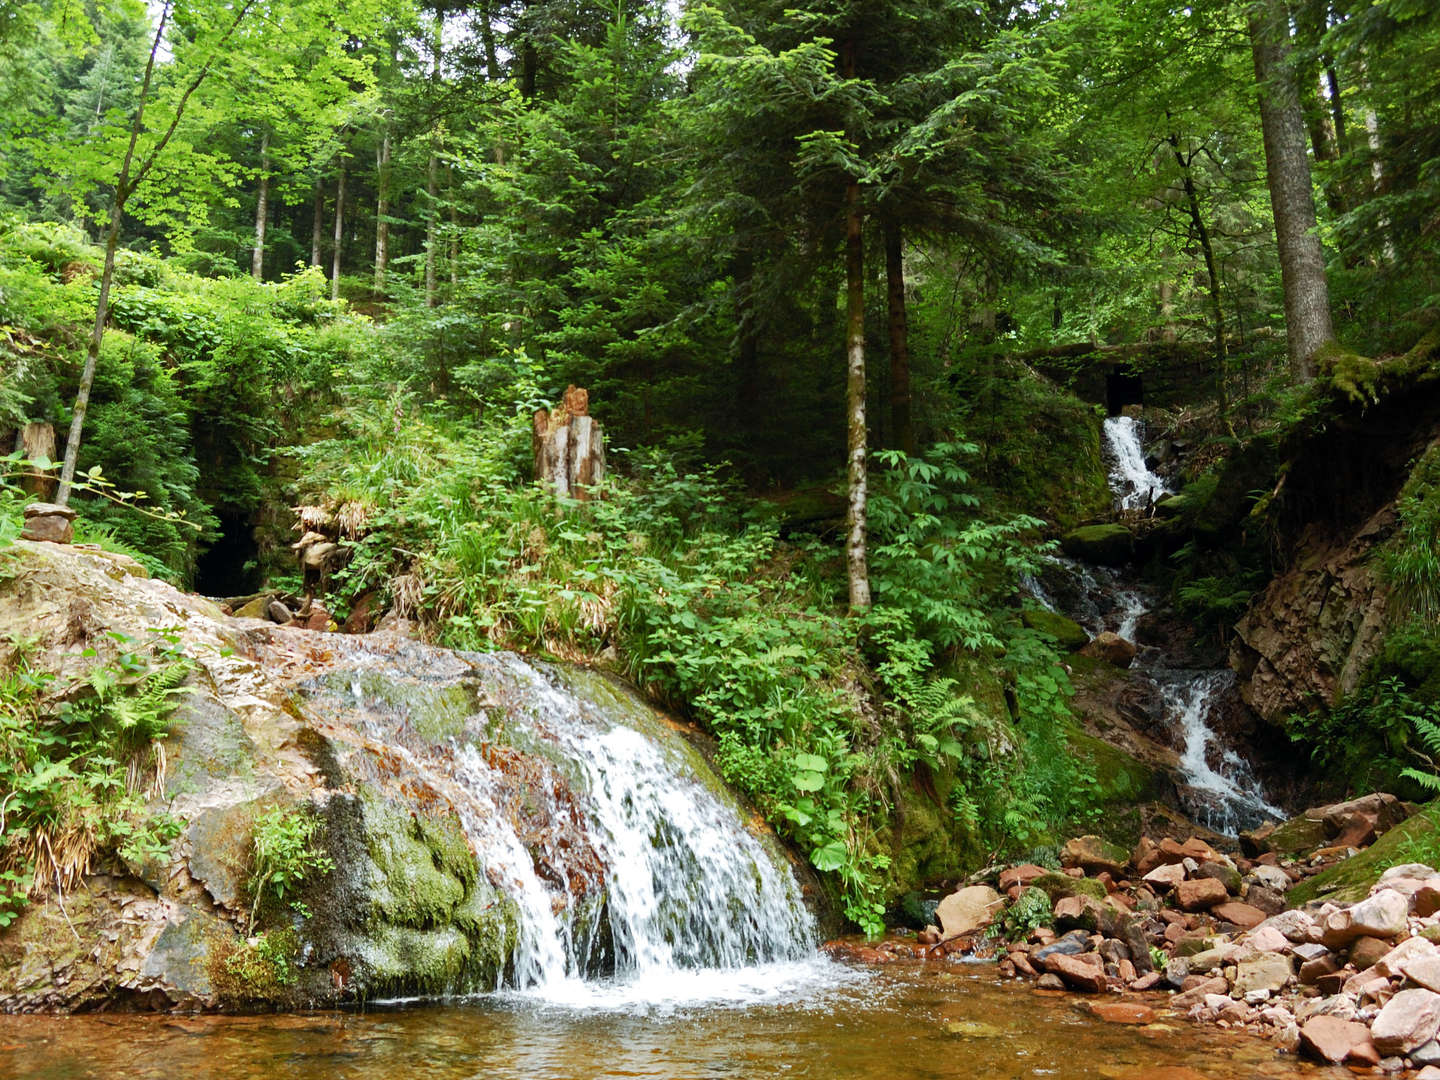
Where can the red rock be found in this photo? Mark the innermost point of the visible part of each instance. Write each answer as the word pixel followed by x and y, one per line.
pixel 1171 851
pixel 1166 877
pixel 1200 894
pixel 1328 1038
pixel 1126 971
pixel 1365 1055
pixel 1196 994
pixel 1148 981
pixel 1175 932
pixel 1078 972
pixel 1023 965
pixel 1242 915
pixel 1123 1012
pixel 1197 849
pixel 1408 1020
pixel 1360 831
pixel 1020 875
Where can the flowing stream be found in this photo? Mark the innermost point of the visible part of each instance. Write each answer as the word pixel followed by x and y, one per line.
pixel 1217 786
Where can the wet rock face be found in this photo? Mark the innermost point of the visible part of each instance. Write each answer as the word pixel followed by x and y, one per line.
pixel 1317 626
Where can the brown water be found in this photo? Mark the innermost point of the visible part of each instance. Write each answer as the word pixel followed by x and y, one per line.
pixel 912 1024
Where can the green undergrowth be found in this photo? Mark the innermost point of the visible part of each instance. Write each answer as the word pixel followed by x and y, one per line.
pixel 821 718
pixel 80 758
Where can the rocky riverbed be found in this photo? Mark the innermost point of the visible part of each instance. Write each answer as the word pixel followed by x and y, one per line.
pixel 1301 939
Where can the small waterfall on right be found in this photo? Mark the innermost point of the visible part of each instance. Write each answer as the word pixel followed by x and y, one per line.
pixel 1217 786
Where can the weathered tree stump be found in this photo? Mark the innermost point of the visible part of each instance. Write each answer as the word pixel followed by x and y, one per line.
pixel 569 446
pixel 36 442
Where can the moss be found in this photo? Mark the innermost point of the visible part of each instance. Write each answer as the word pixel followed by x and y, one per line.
pixel 1356 377
pixel 1297 835
pixel 1068 634
pixel 1110 544
pixel 1119 777
pixel 414 888
pixel 257 971
pixel 1059 886
pixel 1351 880
pixel 434 711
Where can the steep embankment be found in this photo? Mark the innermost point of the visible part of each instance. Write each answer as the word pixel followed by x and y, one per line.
pixel 465 849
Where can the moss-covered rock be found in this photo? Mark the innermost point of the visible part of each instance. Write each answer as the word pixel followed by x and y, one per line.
pixel 1059 886
pixel 1299 835
pixel 1068 634
pixel 1414 840
pixel 1110 544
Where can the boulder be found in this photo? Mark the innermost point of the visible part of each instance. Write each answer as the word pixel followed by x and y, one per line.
pixel 1267 900
pixel 1241 915
pixel 1295 925
pixel 1200 894
pixel 1330 1039
pixel 967 909
pixel 1110 544
pixel 1123 1012
pixel 1383 915
pixel 1424 971
pixel 1268 939
pixel 1379 811
pixel 1368 951
pixel 1268 971
pixel 1095 855
pixel 1271 877
pixel 1399 960
pixel 1165 877
pixel 1111 648
pixel 1083 973
pixel 1226 875
pixel 49 522
pixel 1408 1020
pixel 1072 944
pixel 1301 834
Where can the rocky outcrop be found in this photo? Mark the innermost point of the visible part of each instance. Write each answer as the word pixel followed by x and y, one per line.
pixel 1310 635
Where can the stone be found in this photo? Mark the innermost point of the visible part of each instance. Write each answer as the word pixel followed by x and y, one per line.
pixel 1177 971
pixel 277 612
pixel 1268 971
pixel 1050 981
pixel 1079 972
pixel 1202 963
pixel 1241 915
pixel 1298 835
pixel 1149 981
pixel 1429 1054
pixel 49 522
pixel 1268 939
pixel 1146 856
pixel 1165 877
pixel 1360 832
pixel 1397 961
pixel 1022 876
pixel 1383 915
pixel 254 609
pixel 1329 1039
pixel 1200 894
pixel 1407 1021
pixel 1110 544
pixel 1381 809
pixel 1111 648
pixel 1267 900
pixel 1337 929
pixel 1424 971
pixel 1272 877
pixel 1429 1072
pixel 1072 944
pixel 1094 855
pixel 1226 875
pixel 967 909
pixel 1196 994
pixel 1295 925
pixel 1123 1012
pixel 1367 951
pixel 1311 971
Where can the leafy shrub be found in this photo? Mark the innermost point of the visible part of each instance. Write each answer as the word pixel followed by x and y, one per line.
pixel 282 859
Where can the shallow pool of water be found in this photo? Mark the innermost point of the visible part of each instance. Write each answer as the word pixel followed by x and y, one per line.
pixel 818 1021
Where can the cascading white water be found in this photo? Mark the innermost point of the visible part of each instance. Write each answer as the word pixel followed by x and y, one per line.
pixel 1134 485
pixel 1224 796
pixel 630 863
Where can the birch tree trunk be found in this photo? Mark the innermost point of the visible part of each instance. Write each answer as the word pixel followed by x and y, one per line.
pixel 1292 199
pixel 317 226
pixel 856 553
pixel 262 211
pixel 382 209
pixel 339 232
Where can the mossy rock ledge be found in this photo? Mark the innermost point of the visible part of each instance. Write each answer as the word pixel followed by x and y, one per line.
pixel 282 717
pixel 1109 545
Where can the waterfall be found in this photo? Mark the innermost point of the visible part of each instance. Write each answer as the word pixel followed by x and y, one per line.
pixel 1224 796
pixel 635 873
pixel 1134 485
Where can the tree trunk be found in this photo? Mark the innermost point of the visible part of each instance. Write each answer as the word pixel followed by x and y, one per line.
pixel 339 232
pixel 454 231
pixel 902 424
pixel 1292 199
pixel 856 557
pixel 431 231
pixel 487 40
pixel 262 211
pixel 1202 234
pixel 317 226
pixel 382 210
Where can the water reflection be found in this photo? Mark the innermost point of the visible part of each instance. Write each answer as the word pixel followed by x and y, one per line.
pixel 916 1024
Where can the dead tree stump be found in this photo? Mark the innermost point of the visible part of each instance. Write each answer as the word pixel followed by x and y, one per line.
pixel 569 446
pixel 36 442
